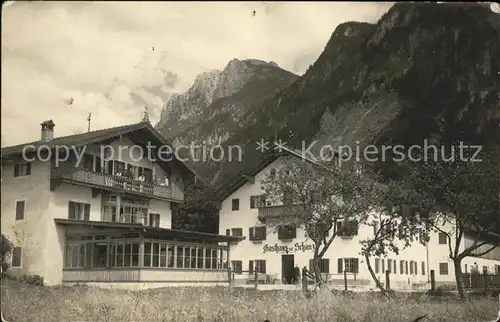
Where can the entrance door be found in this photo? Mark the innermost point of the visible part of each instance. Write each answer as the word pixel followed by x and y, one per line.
pixel 288 269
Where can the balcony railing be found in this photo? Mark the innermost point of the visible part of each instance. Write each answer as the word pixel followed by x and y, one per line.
pixel 103 180
pixel 268 212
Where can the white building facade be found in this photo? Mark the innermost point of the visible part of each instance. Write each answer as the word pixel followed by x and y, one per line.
pixel 277 253
pixel 107 219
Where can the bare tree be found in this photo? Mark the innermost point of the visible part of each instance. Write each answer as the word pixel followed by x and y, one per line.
pixel 318 198
pixel 397 223
pixel 465 197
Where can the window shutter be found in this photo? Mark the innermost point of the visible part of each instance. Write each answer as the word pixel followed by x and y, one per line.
pixel 356 265
pixel 326 265
pixel 250 233
pixel 340 265
pixel 28 169
pixel 250 267
pixel 71 210
pixel 16 170
pixel 20 208
pixel 228 232
pixel 86 213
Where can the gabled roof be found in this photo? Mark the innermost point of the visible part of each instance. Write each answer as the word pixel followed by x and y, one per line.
pixel 76 139
pixel 237 181
pixel 89 138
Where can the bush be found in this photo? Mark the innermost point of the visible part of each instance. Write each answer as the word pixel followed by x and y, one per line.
pixel 6 249
pixel 31 279
pixel 445 289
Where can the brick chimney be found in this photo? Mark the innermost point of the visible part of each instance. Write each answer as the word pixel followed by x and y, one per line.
pixel 47 131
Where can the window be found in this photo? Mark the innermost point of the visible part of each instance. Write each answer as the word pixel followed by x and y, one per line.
pixel 20 209
pixel 125 255
pixel 228 232
pixel 411 267
pixel 348 228
pixel 148 174
pixel 377 265
pixel 22 169
pixel 401 267
pixel 383 265
pixel 389 265
pixel 100 255
pixel 258 265
pixel 443 239
pixel 406 267
pixel 395 266
pixel 119 168
pixel 237 266
pixel 351 265
pixel 287 232
pixel 235 204
pixel 237 232
pixel 443 268
pixel 324 265
pixel 257 233
pixel 88 162
pixel 158 254
pixel 423 268
pixel 16 256
pixel 154 220
pixel 125 209
pixel 257 201
pixel 497 269
pixel 78 211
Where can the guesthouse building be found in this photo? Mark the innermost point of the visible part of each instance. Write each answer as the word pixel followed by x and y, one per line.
pixel 277 253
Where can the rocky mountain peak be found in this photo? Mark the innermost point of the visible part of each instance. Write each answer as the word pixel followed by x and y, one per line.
pixel 184 110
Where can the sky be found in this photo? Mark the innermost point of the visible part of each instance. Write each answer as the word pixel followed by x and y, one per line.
pixel 63 60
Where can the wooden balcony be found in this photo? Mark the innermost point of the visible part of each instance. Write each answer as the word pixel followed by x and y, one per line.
pixel 268 212
pixel 112 183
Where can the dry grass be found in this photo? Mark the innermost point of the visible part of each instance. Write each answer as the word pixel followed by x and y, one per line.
pixel 21 302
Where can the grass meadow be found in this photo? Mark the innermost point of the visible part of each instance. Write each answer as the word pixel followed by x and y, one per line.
pixel 22 302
